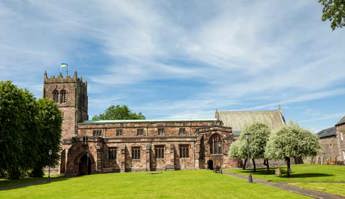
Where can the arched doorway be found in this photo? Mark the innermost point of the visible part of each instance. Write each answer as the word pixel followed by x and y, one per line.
pixel 210 164
pixel 85 164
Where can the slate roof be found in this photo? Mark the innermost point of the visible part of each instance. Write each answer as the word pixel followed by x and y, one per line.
pixel 238 120
pixel 341 121
pixel 329 132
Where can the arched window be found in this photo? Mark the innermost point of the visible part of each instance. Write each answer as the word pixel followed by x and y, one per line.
pixel 63 97
pixel 216 144
pixel 56 95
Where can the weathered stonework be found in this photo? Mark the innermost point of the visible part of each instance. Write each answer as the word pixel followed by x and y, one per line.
pixel 340 129
pixel 86 145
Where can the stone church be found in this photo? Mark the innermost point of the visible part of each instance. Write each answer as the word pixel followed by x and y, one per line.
pixel 141 145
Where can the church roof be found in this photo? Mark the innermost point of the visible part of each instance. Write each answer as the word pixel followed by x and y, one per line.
pixel 329 132
pixel 341 121
pixel 140 121
pixel 238 120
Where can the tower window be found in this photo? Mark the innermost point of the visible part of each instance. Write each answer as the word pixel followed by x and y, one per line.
pixel 85 139
pixel 63 97
pixel 56 95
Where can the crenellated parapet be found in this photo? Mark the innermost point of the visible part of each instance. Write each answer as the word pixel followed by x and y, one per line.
pixel 64 79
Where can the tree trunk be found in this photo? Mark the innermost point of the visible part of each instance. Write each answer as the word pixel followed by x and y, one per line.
pixel 298 160
pixel 14 174
pixel 37 172
pixel 254 166
pixel 288 164
pixel 244 164
pixel 266 163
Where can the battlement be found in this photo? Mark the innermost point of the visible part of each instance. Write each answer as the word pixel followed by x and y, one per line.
pixel 64 79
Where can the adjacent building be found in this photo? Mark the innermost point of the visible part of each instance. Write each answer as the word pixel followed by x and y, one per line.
pixel 329 147
pixel 332 142
pixel 340 131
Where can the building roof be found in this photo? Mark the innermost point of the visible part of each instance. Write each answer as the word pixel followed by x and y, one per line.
pixel 238 120
pixel 341 121
pixel 329 132
pixel 142 121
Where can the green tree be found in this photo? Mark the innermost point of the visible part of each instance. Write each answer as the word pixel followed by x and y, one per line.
pixel 290 142
pixel 49 121
pixel 253 147
pixel 27 129
pixel 334 11
pixel 118 112
pixel 17 129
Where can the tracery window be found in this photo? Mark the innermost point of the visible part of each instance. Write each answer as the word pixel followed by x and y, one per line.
pixel 216 144
pixel 63 97
pixel 56 95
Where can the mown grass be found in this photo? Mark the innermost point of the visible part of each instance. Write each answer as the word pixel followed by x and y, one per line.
pixel 170 184
pixel 333 188
pixel 301 173
pixel 324 178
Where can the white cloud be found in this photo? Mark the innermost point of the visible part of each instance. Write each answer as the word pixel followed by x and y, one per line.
pixel 242 51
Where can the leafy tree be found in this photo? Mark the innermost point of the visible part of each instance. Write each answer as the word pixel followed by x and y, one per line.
pixel 49 122
pixel 291 141
pixel 234 149
pixel 238 150
pixel 26 129
pixel 30 133
pixel 16 112
pixel 118 112
pixel 254 147
pixel 334 11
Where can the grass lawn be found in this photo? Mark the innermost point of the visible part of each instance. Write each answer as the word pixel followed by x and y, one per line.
pixel 334 188
pixel 325 178
pixel 169 184
pixel 302 173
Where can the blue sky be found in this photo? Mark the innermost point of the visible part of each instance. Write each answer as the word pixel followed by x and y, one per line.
pixel 179 59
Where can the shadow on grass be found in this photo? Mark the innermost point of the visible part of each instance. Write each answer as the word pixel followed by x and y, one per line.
pixel 271 172
pixel 14 184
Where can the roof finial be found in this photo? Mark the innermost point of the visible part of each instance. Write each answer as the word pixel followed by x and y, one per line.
pixel 279 108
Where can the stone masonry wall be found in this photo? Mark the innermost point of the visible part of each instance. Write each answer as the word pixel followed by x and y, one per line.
pixel 340 129
pixel 171 140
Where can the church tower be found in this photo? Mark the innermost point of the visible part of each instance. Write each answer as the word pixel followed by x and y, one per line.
pixel 70 95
